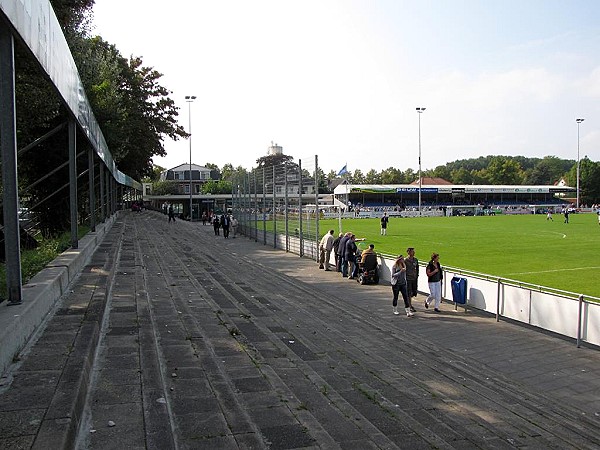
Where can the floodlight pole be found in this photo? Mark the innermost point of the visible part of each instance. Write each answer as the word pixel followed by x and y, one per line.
pixel 578 123
pixel 420 111
pixel 189 99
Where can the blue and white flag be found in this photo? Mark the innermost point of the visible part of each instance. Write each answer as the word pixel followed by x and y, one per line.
pixel 343 171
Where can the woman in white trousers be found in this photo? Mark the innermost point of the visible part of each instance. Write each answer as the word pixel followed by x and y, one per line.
pixel 434 278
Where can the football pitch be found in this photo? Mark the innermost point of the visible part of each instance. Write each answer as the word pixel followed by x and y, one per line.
pixel 525 248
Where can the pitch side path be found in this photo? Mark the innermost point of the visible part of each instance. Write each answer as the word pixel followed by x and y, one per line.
pixel 214 343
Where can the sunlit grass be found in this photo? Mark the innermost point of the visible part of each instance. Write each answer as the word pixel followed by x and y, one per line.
pixel 526 248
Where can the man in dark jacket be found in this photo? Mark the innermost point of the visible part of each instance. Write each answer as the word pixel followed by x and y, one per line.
pixel 225 225
pixel 342 250
pixel 336 252
pixel 350 256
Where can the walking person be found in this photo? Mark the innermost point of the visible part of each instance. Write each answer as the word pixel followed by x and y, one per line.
pixel 412 275
pixel 234 225
pixel 216 224
pixel 171 213
pixel 434 278
pixel 225 225
pixel 325 248
pixel 384 222
pixel 399 286
pixel 549 216
pixel 566 215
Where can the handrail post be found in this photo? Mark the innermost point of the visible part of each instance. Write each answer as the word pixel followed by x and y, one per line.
pixel 579 320
pixel 498 301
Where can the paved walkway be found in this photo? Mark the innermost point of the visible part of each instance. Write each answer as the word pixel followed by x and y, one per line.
pixel 173 338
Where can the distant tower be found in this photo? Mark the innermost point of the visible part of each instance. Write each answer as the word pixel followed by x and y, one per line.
pixel 275 149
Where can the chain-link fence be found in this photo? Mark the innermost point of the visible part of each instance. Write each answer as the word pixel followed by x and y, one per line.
pixel 278 205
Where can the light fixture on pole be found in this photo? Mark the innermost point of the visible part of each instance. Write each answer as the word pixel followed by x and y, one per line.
pixel 578 123
pixel 420 111
pixel 189 99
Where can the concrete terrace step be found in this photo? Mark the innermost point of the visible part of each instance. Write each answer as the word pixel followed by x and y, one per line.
pixel 225 343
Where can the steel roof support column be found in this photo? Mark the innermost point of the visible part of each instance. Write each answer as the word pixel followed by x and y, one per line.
pixel 73 182
pixel 102 192
pixel 92 189
pixel 8 146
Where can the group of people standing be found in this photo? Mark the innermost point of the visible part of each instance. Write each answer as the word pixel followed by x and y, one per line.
pixel 405 277
pixel 404 281
pixel 345 253
pixel 404 272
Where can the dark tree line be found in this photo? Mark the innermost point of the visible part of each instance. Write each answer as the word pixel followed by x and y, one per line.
pixel 494 170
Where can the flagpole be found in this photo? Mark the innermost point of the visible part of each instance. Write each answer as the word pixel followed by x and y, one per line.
pixel 343 172
pixel 340 219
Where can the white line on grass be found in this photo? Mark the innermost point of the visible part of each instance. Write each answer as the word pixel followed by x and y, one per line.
pixel 563 235
pixel 553 270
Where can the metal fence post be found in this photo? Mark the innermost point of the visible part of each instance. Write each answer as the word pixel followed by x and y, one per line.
pixel 255 207
pixel 274 211
pixel 317 210
pixel 286 207
pixel 301 252
pixel 264 205
pixel 248 206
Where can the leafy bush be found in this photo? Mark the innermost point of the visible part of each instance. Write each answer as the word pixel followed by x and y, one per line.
pixel 33 261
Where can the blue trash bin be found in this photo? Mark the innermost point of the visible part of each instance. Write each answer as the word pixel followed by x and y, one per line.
pixel 459 290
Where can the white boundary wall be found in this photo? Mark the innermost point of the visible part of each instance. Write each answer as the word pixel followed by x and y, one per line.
pixel 557 312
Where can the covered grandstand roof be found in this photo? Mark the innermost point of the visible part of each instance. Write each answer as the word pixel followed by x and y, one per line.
pixel 449 188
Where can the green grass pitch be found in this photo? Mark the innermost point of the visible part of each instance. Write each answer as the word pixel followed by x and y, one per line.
pixel 525 248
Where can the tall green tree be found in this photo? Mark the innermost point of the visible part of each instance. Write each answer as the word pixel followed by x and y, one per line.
pixel 391 175
pixel 461 176
pixel 133 109
pixel 372 177
pixel 216 187
pixel 589 181
pixel 358 177
pixel 548 171
pixel 273 160
pixel 442 172
pixel 503 170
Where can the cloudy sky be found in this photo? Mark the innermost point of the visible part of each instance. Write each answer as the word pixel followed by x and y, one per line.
pixel 341 78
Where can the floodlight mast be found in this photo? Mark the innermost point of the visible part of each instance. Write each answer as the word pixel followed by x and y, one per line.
pixel 420 111
pixel 578 123
pixel 189 99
